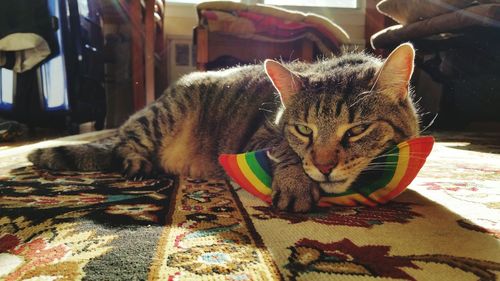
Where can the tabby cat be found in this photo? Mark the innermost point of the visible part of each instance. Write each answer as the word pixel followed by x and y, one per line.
pixel 324 122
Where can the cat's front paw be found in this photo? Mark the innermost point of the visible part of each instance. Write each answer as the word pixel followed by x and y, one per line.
pixel 137 168
pixel 294 191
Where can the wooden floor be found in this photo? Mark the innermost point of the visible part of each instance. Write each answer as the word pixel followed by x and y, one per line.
pixel 17 152
pixel 40 135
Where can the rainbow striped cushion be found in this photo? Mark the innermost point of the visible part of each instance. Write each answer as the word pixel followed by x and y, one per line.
pixel 252 171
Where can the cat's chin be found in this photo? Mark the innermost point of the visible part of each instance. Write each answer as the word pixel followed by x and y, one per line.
pixel 332 187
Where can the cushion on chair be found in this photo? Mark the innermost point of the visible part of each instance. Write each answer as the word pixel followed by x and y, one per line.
pixel 262 22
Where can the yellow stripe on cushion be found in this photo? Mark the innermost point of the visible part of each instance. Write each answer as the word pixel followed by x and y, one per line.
pixel 404 156
pixel 251 177
pixel 347 200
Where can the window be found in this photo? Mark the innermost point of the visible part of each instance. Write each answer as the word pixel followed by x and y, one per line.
pixel 315 3
pixel 304 3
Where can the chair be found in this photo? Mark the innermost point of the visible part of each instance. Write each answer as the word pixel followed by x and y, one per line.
pixel 231 33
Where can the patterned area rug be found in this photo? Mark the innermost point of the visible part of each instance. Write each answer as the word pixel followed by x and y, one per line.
pixel 95 226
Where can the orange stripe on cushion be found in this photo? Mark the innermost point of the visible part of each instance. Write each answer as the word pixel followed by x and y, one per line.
pixel 230 164
pixel 419 149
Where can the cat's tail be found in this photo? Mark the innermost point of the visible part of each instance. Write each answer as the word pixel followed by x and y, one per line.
pixel 97 156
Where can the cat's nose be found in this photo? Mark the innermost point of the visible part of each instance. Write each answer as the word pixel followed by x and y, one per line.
pixel 325 169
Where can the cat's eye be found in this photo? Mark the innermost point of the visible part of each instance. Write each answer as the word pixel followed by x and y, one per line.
pixel 357 130
pixel 303 130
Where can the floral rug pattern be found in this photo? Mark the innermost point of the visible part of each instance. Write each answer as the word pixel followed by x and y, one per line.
pixel 344 257
pixel 54 251
pixel 68 226
pixel 98 226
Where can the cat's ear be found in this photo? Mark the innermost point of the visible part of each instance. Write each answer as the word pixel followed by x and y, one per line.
pixel 394 76
pixel 285 81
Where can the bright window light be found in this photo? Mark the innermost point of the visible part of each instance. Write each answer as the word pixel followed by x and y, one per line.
pixel 315 3
pixel 7 86
pixel 54 83
pixel 194 1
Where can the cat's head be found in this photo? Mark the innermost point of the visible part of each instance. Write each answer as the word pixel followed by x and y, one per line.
pixel 341 114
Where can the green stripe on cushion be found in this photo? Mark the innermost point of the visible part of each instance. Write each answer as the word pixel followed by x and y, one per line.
pixel 381 182
pixel 385 178
pixel 263 159
pixel 257 169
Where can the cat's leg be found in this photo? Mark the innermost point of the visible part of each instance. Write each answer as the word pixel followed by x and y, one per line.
pixel 293 190
pixel 94 156
pixel 133 157
pixel 140 138
pixel 133 160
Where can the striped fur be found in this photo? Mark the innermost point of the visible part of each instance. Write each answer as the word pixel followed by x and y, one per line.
pixel 351 117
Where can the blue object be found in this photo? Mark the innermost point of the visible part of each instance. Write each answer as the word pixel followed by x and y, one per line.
pixel 52 78
pixel 6 88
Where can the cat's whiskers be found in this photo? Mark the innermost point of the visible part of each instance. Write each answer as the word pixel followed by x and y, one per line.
pixel 361 97
pixel 364 172
pixel 266 110
pixel 382 163
pixel 413 156
pixel 381 166
pixel 430 124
